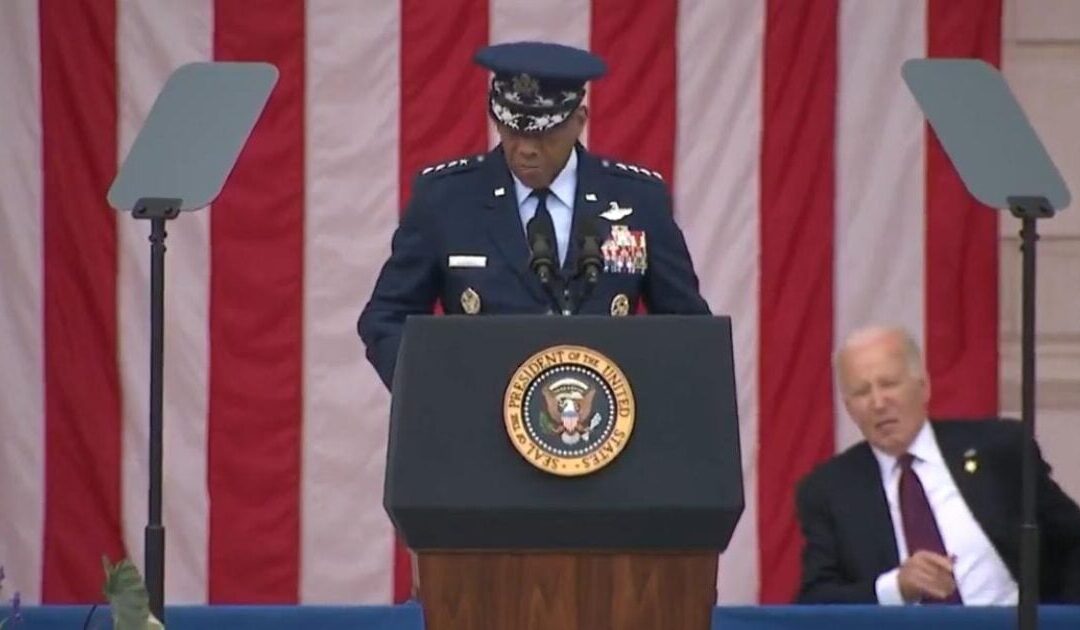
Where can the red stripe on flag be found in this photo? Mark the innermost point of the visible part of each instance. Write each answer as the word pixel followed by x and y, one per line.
pixel 256 293
pixel 961 240
pixel 796 292
pixel 443 92
pixel 443 114
pixel 82 382
pixel 632 108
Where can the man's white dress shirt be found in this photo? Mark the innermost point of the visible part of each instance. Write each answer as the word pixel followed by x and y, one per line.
pixel 981 575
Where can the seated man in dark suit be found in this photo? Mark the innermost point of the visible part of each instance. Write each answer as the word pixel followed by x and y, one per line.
pixel 924 511
pixel 480 231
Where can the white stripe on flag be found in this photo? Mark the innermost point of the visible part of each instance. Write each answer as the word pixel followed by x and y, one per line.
pixel 153 39
pixel 880 173
pixel 22 405
pixel 716 203
pixel 352 209
pixel 561 21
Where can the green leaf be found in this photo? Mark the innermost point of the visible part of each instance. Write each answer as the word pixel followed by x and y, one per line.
pixel 128 598
pixel 549 425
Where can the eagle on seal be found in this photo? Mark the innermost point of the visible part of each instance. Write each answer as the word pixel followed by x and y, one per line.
pixel 569 403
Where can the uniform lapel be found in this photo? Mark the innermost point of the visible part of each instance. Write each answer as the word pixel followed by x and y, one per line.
pixel 588 203
pixel 503 222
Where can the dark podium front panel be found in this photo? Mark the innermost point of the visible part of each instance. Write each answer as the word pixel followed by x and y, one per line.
pixel 456 481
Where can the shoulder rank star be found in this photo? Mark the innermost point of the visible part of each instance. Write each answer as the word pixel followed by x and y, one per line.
pixel 640 170
pixel 438 167
pixel 452 165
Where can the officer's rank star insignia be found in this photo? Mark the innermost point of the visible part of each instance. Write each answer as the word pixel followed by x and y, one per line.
pixel 470 301
pixel 620 305
pixel 970 463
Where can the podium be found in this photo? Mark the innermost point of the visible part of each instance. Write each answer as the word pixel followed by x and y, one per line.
pixel 565 472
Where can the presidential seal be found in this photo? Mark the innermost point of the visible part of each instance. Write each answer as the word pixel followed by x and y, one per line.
pixel 569 410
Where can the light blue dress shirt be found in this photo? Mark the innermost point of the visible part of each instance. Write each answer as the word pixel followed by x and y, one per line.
pixel 560 203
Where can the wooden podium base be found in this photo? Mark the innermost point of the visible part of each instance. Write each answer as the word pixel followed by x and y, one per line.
pixel 524 590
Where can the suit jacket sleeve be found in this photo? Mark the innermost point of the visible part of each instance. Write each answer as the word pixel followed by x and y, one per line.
pixel 1059 522
pixel 823 578
pixel 407 285
pixel 671 286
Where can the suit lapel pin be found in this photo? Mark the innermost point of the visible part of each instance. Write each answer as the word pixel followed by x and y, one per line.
pixel 499 192
pixel 970 463
pixel 590 196
pixel 470 301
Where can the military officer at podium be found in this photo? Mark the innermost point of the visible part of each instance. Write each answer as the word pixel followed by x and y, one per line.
pixel 539 224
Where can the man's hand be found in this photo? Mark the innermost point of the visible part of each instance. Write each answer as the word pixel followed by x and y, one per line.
pixel 925 575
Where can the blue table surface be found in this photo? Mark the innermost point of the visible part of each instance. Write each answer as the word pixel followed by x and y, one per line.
pixel 887 618
pixel 410 617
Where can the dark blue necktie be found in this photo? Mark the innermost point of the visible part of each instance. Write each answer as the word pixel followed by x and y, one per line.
pixel 543 221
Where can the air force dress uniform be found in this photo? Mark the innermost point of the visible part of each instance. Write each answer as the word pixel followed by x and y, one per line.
pixel 462 240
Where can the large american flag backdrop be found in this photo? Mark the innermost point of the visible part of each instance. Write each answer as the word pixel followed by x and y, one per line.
pixel 811 194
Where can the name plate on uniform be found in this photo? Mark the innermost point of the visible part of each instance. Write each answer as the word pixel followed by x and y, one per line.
pixel 461 261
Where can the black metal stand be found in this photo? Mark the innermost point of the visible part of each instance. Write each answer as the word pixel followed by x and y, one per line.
pixel 1028 210
pixel 158 211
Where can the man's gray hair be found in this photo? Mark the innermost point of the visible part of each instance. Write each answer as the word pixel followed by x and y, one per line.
pixel 861 335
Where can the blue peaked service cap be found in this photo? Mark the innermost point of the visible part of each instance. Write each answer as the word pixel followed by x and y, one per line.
pixel 537 85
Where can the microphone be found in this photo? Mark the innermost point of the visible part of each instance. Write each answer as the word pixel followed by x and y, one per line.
pixel 590 257
pixel 542 259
